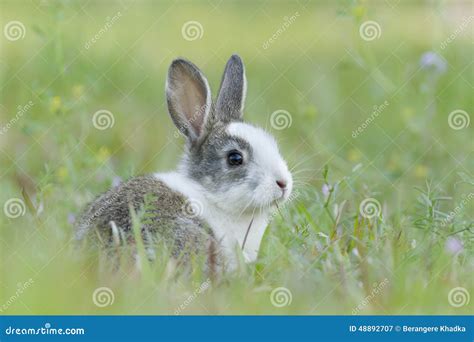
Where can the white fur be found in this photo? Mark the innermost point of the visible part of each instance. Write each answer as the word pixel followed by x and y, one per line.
pixel 230 231
pixel 270 165
pixel 226 212
pixel 208 97
pixel 244 92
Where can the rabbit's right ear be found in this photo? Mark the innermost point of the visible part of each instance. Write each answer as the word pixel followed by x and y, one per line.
pixel 189 98
pixel 231 97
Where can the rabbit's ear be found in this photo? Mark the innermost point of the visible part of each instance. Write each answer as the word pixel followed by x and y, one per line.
pixel 189 98
pixel 230 101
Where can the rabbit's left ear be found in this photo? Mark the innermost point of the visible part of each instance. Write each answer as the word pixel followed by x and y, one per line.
pixel 231 97
pixel 189 98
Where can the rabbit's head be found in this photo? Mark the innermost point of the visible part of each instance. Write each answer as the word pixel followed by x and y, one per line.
pixel 238 165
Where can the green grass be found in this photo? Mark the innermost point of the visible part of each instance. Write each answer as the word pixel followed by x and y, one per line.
pixel 319 70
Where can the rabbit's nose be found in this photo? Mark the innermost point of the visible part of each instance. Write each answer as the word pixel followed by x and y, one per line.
pixel 281 184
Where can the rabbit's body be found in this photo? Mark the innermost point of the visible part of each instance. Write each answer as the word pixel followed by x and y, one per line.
pixel 228 232
pixel 230 178
pixel 161 211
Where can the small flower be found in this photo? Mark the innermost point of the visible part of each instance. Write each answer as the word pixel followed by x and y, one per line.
pixel 354 155
pixel 432 61
pixel 355 251
pixel 71 218
pixel 62 173
pixel 421 171
pixel 103 154
pixel 77 91
pixel 454 245
pixel 359 12
pixel 325 190
pixel 55 104
pixel 116 181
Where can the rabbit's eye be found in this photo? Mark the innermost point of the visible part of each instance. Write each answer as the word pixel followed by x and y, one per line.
pixel 235 158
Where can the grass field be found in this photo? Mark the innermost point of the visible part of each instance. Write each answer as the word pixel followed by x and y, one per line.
pixel 373 100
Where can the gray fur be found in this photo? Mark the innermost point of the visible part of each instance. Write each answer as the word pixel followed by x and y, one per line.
pixel 162 219
pixel 231 95
pixel 206 163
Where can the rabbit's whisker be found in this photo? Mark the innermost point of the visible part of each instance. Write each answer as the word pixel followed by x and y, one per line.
pixel 303 161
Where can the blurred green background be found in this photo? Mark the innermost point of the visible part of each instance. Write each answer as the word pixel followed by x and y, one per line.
pixel 70 59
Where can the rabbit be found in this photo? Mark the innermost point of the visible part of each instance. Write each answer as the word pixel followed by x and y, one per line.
pixel 228 182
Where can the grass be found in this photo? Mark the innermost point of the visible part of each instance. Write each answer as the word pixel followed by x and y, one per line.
pixel 415 168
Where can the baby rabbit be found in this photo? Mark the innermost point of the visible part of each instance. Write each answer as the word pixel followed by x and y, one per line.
pixel 230 177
